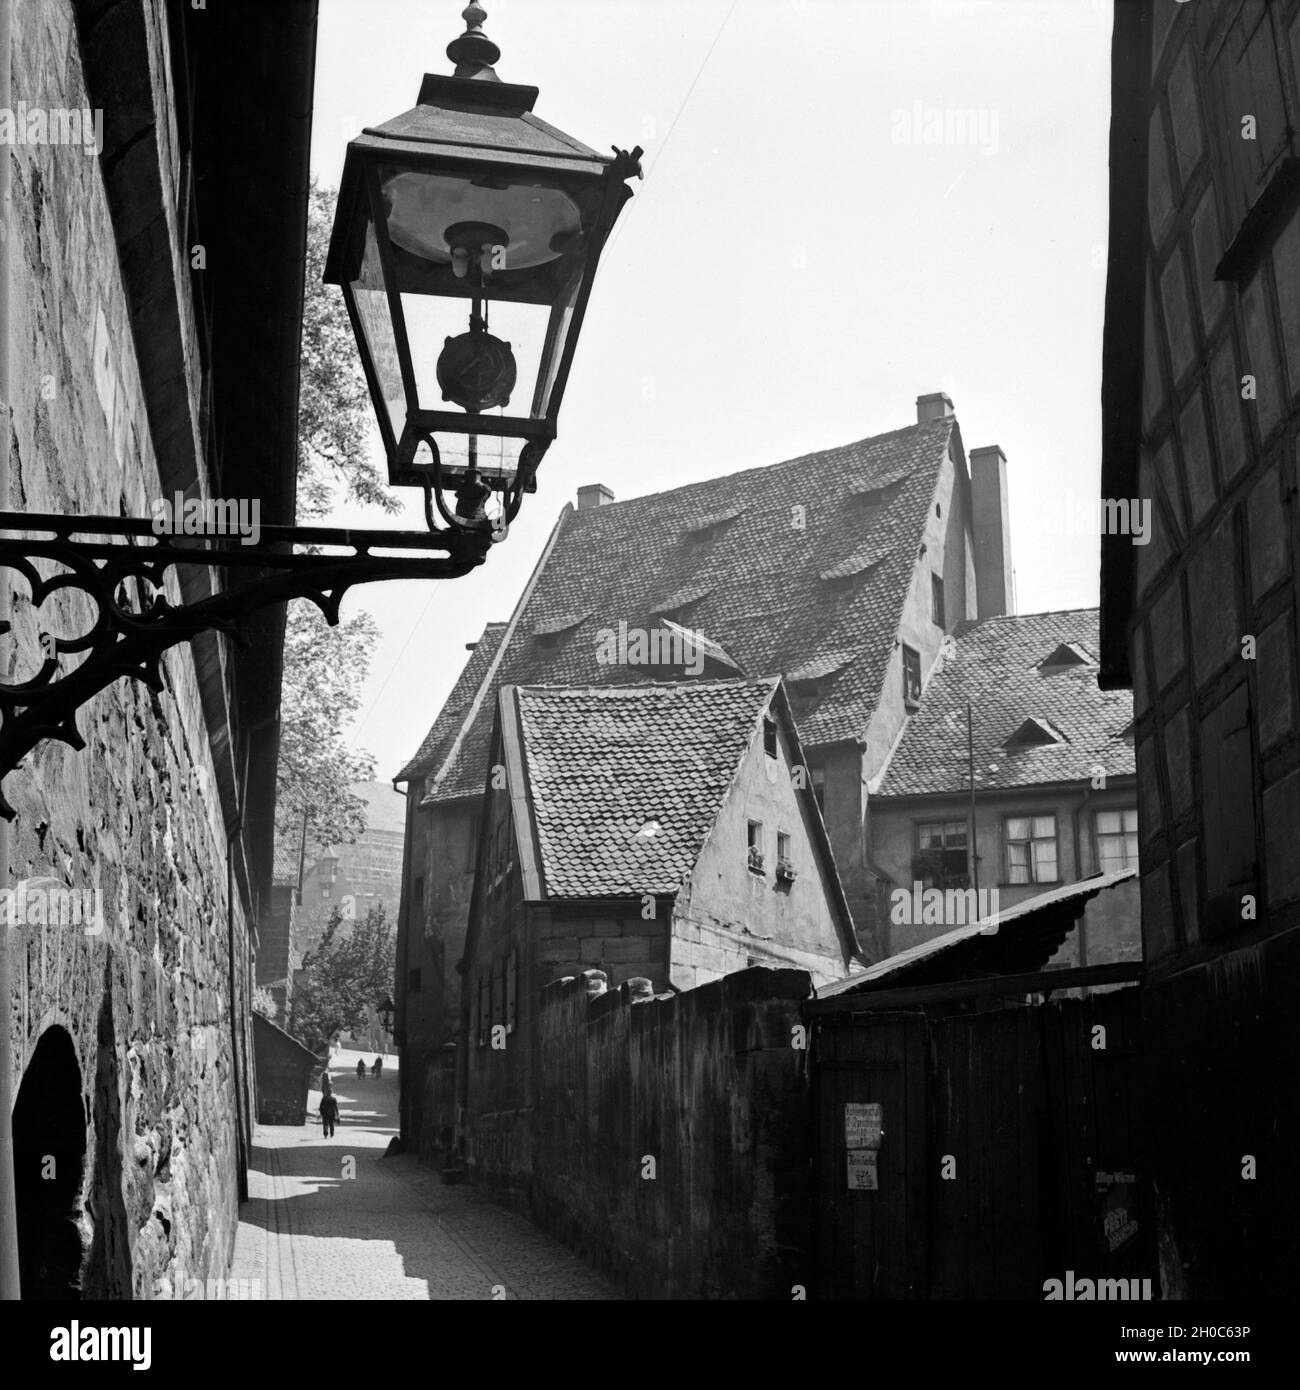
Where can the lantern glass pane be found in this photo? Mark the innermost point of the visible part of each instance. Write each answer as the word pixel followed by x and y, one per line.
pixel 371 302
pixel 432 319
pixel 540 222
pixel 495 456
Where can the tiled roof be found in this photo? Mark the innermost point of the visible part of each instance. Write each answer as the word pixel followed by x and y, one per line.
pixel 438 741
pixel 996 667
pixel 604 762
pixel 761 595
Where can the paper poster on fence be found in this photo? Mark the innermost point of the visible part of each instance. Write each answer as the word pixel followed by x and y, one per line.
pixel 863 1125
pixel 862 1170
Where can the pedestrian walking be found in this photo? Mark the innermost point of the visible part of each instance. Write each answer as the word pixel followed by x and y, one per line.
pixel 329 1113
pixel 326 1085
pixel 361 1071
pixel 378 1069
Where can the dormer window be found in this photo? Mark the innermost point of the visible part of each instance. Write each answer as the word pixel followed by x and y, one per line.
pixel 704 530
pixel 1034 733
pixel 881 495
pixel 1067 654
pixel 551 632
pixel 862 561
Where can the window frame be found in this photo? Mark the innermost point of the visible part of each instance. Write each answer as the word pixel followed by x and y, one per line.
pixel 754 846
pixel 946 880
pixel 1123 834
pixel 938 610
pixel 771 745
pixel 911 658
pixel 1031 863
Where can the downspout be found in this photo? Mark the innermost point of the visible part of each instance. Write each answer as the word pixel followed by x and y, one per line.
pixel 236 1073
pixel 9 1279
pixel 1078 871
pixel 404 908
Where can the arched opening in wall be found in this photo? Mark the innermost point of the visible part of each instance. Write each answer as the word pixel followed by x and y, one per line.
pixel 49 1154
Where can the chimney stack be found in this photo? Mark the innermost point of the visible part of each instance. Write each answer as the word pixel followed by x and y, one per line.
pixel 995 590
pixel 594 495
pixel 936 406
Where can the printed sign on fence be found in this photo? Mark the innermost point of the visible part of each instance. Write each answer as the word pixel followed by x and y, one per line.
pixel 863 1125
pixel 862 1171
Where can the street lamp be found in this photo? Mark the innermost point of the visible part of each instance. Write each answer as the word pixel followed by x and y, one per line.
pixel 465 241
pixel 386 1011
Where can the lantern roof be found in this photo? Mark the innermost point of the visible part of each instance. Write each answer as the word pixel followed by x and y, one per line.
pixel 465 118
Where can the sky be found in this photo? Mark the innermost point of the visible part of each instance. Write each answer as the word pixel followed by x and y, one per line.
pixel 802 260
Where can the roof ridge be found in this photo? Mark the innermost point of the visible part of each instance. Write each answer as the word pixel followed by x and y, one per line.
pixel 945 421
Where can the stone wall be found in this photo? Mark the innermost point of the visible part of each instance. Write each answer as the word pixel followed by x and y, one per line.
pixel 147 1002
pixel 669 1143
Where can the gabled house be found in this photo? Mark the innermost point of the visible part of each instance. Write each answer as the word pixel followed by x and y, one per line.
pixel 664 833
pixel 840 571
pixel 1055 786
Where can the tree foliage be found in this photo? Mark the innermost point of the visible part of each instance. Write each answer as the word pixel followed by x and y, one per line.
pixel 346 975
pixel 324 671
pixel 334 411
pixel 325 668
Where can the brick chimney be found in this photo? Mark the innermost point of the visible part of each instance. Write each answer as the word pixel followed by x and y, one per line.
pixel 935 406
pixel 594 495
pixel 995 588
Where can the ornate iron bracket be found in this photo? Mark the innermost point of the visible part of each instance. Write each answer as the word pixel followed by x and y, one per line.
pixel 136 623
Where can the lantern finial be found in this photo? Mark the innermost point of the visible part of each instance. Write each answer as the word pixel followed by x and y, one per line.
pixel 473 52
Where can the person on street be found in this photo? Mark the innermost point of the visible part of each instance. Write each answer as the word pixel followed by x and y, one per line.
pixel 378 1069
pixel 361 1071
pixel 326 1085
pixel 329 1113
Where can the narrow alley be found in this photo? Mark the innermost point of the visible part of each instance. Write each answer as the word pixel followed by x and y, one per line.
pixel 335 1219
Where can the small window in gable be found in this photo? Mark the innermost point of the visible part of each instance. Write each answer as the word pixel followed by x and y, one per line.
pixel 936 599
pixel 911 677
pixel 769 736
pixel 754 839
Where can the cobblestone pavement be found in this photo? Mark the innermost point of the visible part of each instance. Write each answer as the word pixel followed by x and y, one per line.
pixel 392 1230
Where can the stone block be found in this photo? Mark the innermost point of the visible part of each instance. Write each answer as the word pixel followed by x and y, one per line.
pixel 1178 762
pixel 1198 465
pixel 1177 309
pixel 1158 934
pixel 1207 250
pixel 1267 536
pixel 1225 388
pixel 1168 634
pixel 1184 115
pixel 1261 356
pixel 1160 196
pixel 1153 391
pixel 1187 891
pixel 1286 275
pixel 1275 671
pixel 1281 838
pixel 1213 603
